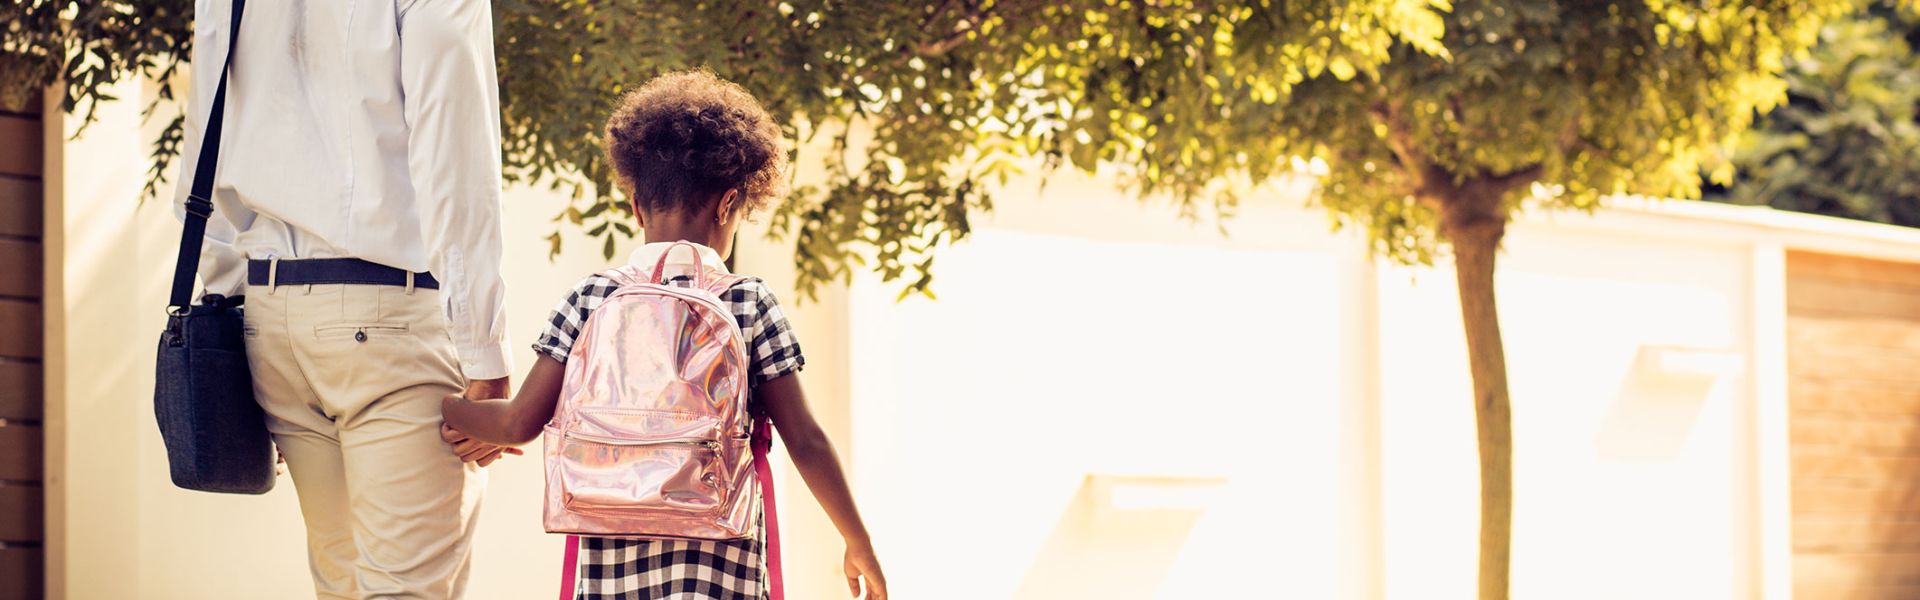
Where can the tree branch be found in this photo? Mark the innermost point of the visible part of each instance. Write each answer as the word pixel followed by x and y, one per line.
pixel 1570 139
pixel 935 16
pixel 965 25
pixel 1431 183
pixel 1515 179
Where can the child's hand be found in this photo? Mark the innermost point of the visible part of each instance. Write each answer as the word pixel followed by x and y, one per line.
pixel 472 450
pixel 861 563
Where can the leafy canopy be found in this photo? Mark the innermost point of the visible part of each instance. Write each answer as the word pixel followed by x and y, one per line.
pixel 953 94
pixel 1404 105
pixel 1398 101
pixel 87 47
pixel 1847 143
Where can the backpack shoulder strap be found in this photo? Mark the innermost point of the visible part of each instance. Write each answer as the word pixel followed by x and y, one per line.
pixel 626 275
pixel 718 283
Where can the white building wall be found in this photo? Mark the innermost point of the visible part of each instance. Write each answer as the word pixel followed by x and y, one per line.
pixel 1625 357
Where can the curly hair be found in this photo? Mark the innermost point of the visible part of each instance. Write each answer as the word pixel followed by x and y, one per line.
pixel 685 137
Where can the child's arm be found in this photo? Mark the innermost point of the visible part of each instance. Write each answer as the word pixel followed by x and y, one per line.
pixel 813 454
pixel 509 422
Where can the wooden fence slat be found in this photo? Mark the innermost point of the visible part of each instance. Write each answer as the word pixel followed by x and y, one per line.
pixel 19 329
pixel 1816 590
pixel 21 394
pixel 31 106
pixel 1855 535
pixel 22 569
pixel 1881 437
pixel 1827 362
pixel 1852 269
pixel 20 268
pixel 1875 568
pixel 21 513
pixel 1852 466
pixel 20 453
pixel 1862 397
pixel 20 207
pixel 1804 332
pixel 1808 297
pixel 21 152
pixel 1827 502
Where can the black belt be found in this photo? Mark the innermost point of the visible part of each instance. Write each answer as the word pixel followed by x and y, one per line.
pixel 313 271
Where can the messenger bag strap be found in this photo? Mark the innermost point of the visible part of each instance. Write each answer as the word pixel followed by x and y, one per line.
pixel 199 195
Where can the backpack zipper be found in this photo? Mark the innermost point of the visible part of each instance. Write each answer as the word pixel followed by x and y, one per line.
pixel 613 441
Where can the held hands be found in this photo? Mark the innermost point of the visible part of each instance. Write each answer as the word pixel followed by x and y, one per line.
pixel 862 563
pixel 469 449
pixel 472 450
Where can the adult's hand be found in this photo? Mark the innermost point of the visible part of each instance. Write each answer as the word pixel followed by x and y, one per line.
pixel 489 389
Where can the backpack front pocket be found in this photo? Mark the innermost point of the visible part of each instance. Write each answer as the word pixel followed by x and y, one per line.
pixel 604 474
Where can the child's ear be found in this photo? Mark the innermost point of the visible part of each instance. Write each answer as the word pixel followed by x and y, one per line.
pixel 725 207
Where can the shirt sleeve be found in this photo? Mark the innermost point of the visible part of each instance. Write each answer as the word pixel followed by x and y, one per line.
pixel 453 158
pixel 772 348
pixel 563 324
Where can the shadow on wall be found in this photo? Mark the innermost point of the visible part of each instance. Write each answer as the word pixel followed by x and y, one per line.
pixel 1120 537
pixel 1660 401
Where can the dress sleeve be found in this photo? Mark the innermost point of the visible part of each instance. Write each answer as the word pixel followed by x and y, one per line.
pixel 772 347
pixel 563 325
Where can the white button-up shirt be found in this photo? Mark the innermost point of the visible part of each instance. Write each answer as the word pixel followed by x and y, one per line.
pixel 366 129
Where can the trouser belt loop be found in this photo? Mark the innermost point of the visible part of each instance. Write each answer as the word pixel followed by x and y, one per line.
pixel 273 275
pixel 409 283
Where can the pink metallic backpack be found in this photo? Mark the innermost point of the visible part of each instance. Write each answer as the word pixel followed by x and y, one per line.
pixel 652 438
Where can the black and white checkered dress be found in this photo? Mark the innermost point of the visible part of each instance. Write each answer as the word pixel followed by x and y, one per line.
pixel 616 569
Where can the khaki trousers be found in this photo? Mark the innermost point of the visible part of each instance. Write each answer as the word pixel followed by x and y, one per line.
pixel 351 378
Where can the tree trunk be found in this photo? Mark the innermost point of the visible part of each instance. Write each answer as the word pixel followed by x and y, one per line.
pixel 1476 235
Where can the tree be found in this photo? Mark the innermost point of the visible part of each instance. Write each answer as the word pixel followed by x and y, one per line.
pixel 1435 119
pixel 87 47
pixel 1847 142
pixel 1435 122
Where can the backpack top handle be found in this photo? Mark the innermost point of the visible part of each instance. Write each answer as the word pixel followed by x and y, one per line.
pixel 699 269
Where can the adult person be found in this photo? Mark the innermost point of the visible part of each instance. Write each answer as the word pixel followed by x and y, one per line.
pixel 357 208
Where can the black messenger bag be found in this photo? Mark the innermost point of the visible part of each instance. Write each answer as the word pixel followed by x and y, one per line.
pixel 216 435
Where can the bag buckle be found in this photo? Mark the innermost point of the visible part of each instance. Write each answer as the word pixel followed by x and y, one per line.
pixel 199 206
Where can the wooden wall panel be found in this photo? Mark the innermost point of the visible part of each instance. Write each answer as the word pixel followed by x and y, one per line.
pixel 1872 273
pixel 20 268
pixel 20 453
pixel 1853 356
pixel 21 511
pixel 20 391
pixel 16 158
pixel 20 329
pixel 21 569
pixel 1852 536
pixel 20 207
pixel 31 106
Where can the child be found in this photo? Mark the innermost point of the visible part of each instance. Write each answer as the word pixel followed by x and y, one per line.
pixel 696 154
